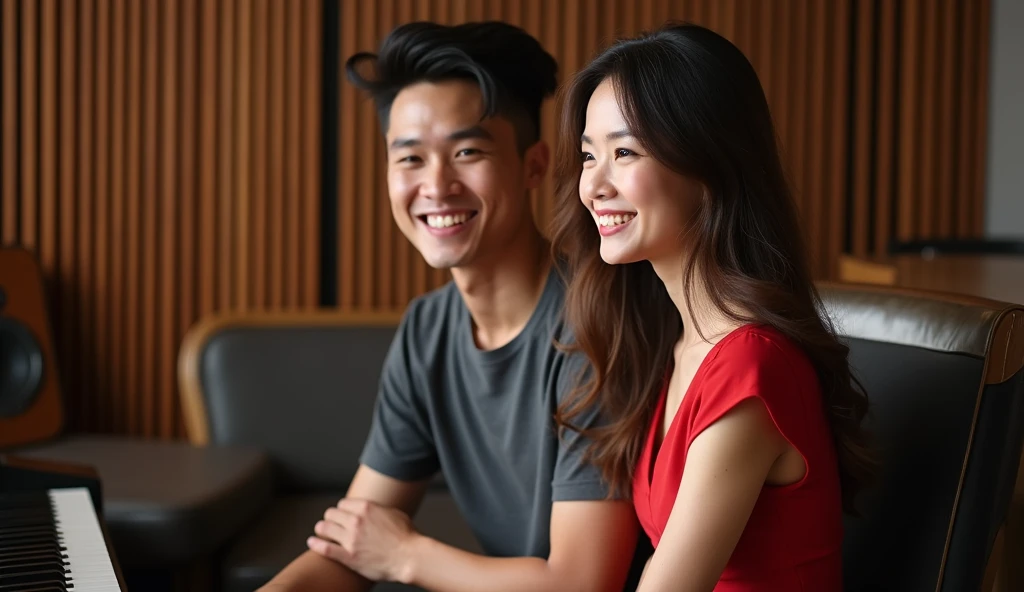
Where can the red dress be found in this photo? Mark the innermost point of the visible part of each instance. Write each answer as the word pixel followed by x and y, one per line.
pixel 793 540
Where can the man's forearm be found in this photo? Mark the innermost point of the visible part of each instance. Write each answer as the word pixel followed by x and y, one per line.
pixel 313 573
pixel 442 568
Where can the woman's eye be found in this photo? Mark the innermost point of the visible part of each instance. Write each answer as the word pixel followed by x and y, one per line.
pixel 585 156
pixel 623 153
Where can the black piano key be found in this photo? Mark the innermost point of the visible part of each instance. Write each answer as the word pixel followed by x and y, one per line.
pixel 42 585
pixel 24 498
pixel 12 559
pixel 56 565
pixel 38 576
pixel 15 541
pixel 28 549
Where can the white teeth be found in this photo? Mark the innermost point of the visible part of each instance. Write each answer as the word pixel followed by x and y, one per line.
pixel 437 221
pixel 614 219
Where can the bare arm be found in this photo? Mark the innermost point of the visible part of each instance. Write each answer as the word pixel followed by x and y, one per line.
pixel 726 468
pixel 314 573
pixel 592 546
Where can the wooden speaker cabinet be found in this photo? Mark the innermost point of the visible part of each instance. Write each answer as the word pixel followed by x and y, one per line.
pixel 31 404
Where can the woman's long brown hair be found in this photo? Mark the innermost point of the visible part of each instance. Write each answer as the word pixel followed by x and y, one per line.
pixel 696 105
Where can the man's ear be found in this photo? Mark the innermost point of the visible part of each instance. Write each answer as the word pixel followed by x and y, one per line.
pixel 536 161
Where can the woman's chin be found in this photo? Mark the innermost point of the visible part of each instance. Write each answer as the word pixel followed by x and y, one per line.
pixel 618 256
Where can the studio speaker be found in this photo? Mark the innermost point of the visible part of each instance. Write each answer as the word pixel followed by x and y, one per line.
pixel 31 406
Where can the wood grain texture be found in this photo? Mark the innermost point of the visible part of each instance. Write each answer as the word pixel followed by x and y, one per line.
pixel 162 159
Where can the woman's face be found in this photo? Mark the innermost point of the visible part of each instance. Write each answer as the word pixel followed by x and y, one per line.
pixel 641 208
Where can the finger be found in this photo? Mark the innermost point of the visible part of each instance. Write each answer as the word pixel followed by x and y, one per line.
pixel 342 518
pixel 332 551
pixel 331 531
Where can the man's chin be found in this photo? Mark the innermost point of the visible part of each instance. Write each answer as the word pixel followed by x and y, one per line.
pixel 444 261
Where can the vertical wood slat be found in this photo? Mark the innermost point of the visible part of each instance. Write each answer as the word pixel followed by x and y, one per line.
pixel 48 134
pixel 133 223
pixel 293 105
pixel 275 160
pixel 861 174
pixel 118 180
pixel 887 134
pixel 974 199
pixel 66 275
pixel 100 349
pixel 311 88
pixel 125 158
pixel 186 269
pixel 947 102
pixel 83 371
pixel 928 124
pixel 11 109
pixel 243 165
pixel 149 312
pixel 837 140
pixel 28 122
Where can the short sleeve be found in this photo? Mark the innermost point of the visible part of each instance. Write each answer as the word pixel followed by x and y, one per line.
pixel 401 443
pixel 575 479
pixel 756 365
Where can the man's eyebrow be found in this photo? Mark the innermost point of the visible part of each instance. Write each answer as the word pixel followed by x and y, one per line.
pixel 404 143
pixel 470 133
pixel 618 135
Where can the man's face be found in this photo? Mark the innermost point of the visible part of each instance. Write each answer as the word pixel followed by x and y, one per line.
pixel 458 186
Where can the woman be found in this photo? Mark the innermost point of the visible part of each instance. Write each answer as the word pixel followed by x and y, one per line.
pixel 733 418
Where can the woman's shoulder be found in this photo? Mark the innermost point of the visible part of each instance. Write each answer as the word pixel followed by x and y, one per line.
pixel 758 357
pixel 756 343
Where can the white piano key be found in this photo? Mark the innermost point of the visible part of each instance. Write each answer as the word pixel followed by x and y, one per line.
pixel 89 562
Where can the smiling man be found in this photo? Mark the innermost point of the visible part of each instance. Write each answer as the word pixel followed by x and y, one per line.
pixel 474 376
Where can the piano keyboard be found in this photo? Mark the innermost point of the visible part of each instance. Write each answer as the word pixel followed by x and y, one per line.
pixel 51 540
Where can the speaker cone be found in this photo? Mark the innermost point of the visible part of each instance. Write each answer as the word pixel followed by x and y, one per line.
pixel 21 367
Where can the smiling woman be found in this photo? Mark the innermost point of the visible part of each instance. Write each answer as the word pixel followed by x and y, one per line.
pixel 732 416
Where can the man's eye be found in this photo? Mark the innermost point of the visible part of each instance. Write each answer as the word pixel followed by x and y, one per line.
pixel 467 152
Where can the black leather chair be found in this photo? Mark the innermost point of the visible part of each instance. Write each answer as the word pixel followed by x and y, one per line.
pixel 300 386
pixel 944 376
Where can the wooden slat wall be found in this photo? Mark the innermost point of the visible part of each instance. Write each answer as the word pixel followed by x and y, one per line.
pixel 879 106
pixel 163 156
pixel 163 159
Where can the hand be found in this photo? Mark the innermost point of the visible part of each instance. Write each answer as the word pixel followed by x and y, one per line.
pixel 370 539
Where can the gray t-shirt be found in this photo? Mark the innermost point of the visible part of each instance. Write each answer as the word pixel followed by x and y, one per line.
pixel 484 419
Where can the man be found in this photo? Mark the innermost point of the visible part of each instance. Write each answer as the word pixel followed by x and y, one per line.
pixel 474 376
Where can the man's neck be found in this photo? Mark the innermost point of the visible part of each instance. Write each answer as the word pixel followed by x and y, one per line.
pixel 503 292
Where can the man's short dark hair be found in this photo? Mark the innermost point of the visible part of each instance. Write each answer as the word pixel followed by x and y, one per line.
pixel 514 72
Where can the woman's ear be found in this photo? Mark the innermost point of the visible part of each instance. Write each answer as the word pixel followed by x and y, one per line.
pixel 536 161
